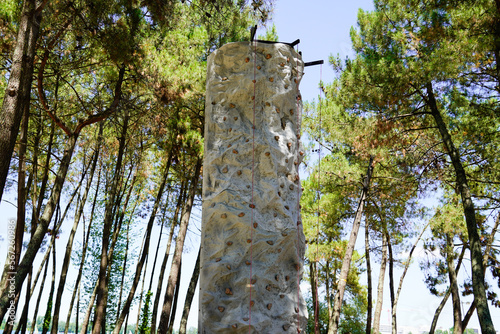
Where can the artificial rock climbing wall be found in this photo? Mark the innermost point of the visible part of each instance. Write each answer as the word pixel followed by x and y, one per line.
pixel 252 240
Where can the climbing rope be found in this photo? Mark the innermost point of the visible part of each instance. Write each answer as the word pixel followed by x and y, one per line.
pixel 252 204
pixel 318 197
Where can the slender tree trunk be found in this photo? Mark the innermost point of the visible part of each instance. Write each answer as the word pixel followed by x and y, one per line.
pixel 478 286
pixel 103 278
pixel 173 224
pixel 42 285
pixel 48 311
pixel 85 322
pixel 145 251
pixel 391 287
pixel 455 294
pixel 368 328
pixel 17 95
pixel 446 296
pixel 139 309
pixel 380 286
pixel 124 270
pixel 313 274
pixel 179 244
pixel 176 299
pixel 346 262
pixel 190 295
pixel 41 230
pixel 69 245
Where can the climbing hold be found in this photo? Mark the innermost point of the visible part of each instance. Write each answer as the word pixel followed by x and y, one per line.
pixel 231 105
pixel 254 81
pixel 287 207
pixel 249 241
pixel 297 177
pixel 268 56
pixel 213 102
pixel 252 303
pixel 241 214
pixel 247 60
pixel 239 172
pixel 301 153
pixel 279 193
pixel 268 287
pixel 235 151
pixel 223 215
pixel 296 310
pixel 285 327
pixel 230 129
pixel 253 280
pixel 275 215
pixel 270 242
pixel 284 234
pixel 255 225
pixel 224 118
pixel 289 145
pixel 279 250
pixel 269 306
pixel 278 110
pixel 291 111
pixel 228 266
pixel 248 262
pixel 221 309
pixel 236 118
pixel 276 277
pixel 224 78
pixel 258 67
pixel 282 64
pixel 268 104
pixel 228 291
pixel 291 187
pixel 267 154
pixel 282 296
pixel 286 86
pixel 235 326
pixel 217 259
pixel 287 278
pixel 229 243
pixel 252 206
pixel 277 137
pixel 271 79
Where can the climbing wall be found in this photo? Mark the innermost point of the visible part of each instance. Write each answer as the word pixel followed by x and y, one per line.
pixel 252 240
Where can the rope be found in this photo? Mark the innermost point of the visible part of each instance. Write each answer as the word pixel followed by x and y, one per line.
pixel 252 204
pixel 318 194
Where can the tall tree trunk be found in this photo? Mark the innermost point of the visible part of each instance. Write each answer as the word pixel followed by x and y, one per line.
pixel 103 278
pixel 446 296
pixel 368 328
pixel 190 295
pixel 17 95
pixel 346 262
pixel 69 245
pixel 139 309
pixel 391 287
pixel 179 245
pixel 42 285
pixel 176 299
pixel 48 311
pixel 478 286
pixel 85 322
pixel 173 224
pixel 41 230
pixel 380 286
pixel 313 274
pixel 455 294
pixel 145 251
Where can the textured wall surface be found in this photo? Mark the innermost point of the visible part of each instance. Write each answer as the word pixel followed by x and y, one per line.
pixel 252 240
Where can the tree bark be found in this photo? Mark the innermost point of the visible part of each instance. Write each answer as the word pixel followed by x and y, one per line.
pixel 176 299
pixel 190 295
pixel 179 244
pixel 446 296
pixel 455 294
pixel 48 311
pixel 391 287
pixel 313 273
pixel 380 286
pixel 368 328
pixel 17 95
pixel 479 289
pixel 346 262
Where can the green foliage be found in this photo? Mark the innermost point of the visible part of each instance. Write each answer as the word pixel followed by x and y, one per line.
pixel 144 327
